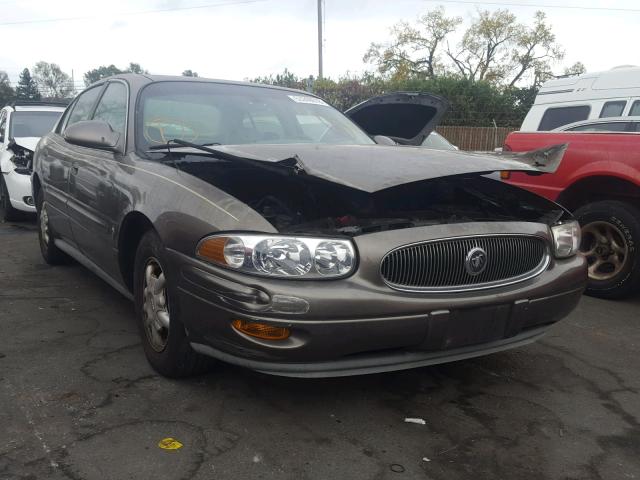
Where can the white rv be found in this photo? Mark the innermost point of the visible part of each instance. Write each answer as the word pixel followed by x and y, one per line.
pixel 565 100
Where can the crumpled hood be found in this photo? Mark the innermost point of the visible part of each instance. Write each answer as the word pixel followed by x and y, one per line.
pixel 371 168
pixel 27 142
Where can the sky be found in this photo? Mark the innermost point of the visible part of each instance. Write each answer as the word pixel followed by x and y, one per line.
pixel 243 39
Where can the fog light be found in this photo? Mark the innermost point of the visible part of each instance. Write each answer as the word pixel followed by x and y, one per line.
pixel 261 330
pixel 28 200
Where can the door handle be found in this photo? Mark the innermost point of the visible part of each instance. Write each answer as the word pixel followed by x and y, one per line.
pixel 74 169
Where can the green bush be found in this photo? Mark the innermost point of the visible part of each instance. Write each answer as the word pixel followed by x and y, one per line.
pixel 473 103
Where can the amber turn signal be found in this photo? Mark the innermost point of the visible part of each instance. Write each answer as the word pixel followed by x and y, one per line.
pixel 505 175
pixel 213 249
pixel 261 330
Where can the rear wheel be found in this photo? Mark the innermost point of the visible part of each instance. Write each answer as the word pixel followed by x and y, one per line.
pixel 7 212
pixel 50 252
pixel 610 240
pixel 164 338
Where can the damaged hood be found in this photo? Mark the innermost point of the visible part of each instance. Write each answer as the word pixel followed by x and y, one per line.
pixel 27 142
pixel 371 168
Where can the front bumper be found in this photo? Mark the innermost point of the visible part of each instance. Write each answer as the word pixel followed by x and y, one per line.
pixel 360 325
pixel 373 363
pixel 19 188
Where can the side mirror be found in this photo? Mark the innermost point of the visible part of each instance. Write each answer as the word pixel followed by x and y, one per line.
pixel 384 140
pixel 92 134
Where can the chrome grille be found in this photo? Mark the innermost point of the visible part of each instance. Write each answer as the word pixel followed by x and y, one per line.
pixel 439 265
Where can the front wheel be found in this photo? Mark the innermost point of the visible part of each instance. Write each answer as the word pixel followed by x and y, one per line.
pixel 163 334
pixel 8 213
pixel 610 240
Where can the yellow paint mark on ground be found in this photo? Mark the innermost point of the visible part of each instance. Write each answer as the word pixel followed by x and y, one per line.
pixel 169 444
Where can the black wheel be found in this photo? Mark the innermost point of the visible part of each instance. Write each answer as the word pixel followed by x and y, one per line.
pixel 163 334
pixel 610 242
pixel 7 212
pixel 50 252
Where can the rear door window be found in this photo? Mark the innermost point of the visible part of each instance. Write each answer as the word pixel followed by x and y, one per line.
pixel 635 109
pixel 559 116
pixel 613 109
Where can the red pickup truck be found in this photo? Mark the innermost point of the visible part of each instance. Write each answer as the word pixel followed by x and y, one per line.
pixel 599 181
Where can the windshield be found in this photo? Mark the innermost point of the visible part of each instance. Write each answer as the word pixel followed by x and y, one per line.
pixel 32 124
pixel 213 113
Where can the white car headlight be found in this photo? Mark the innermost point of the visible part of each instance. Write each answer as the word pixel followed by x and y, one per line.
pixel 280 256
pixel 566 239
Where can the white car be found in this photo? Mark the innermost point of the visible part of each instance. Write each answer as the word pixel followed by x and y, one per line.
pixel 21 126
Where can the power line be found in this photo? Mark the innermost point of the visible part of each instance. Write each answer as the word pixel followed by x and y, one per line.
pixel 533 5
pixel 141 12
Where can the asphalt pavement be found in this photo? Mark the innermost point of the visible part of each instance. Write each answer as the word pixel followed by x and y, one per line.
pixel 79 401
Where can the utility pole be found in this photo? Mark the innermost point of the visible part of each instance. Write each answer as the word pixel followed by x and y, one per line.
pixel 320 39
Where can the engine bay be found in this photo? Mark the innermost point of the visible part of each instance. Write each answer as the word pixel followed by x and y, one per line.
pixel 308 205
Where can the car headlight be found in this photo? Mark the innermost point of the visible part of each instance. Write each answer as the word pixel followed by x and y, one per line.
pixel 280 256
pixel 566 239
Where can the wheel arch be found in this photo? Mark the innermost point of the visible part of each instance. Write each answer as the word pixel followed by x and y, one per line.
pixel 597 188
pixel 132 228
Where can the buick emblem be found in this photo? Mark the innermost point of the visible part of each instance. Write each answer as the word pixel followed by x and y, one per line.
pixel 476 261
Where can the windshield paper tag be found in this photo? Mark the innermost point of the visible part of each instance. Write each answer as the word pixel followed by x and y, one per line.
pixel 307 99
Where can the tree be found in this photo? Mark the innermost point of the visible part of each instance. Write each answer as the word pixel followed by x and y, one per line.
pixel 27 88
pixel 494 48
pixel 135 68
pixel 99 73
pixel 577 68
pixel 52 81
pixel 483 53
pixel 414 50
pixel 284 79
pixel 189 73
pixel 535 50
pixel 105 71
pixel 6 92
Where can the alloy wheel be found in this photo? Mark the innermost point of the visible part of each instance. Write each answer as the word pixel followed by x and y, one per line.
pixel 605 249
pixel 155 307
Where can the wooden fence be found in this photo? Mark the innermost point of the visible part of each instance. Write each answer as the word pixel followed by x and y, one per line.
pixel 483 139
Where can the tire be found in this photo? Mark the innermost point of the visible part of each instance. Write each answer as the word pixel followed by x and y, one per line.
pixel 610 241
pixel 164 338
pixel 7 211
pixel 50 252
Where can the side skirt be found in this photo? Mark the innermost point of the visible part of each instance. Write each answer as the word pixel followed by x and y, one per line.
pixel 84 261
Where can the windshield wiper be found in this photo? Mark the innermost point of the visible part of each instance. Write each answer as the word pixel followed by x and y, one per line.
pixel 171 143
pixel 288 166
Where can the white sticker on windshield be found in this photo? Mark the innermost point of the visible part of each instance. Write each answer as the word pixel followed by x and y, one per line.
pixel 308 99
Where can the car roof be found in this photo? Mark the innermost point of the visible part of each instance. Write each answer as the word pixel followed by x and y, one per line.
pixel 139 79
pixel 595 121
